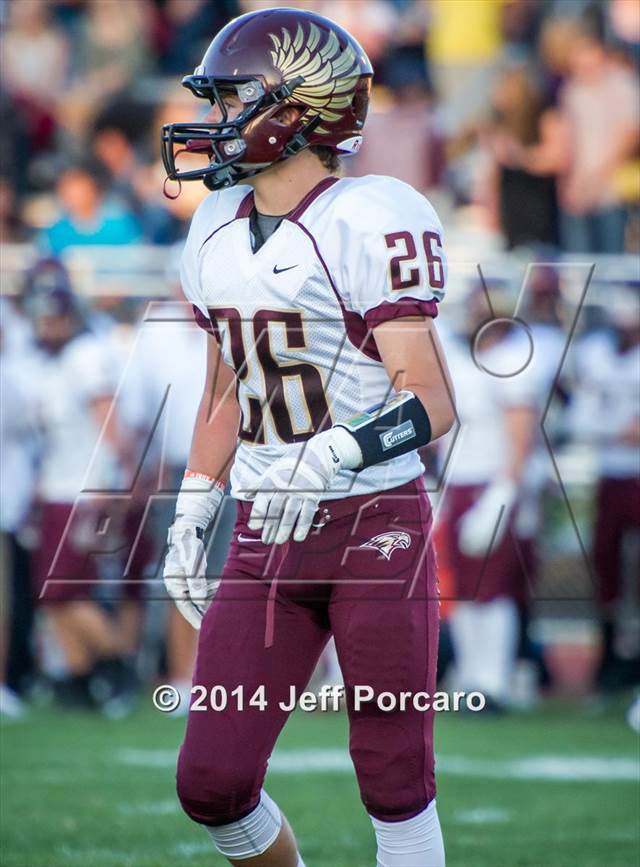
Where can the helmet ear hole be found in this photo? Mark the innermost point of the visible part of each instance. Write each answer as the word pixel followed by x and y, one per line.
pixel 288 114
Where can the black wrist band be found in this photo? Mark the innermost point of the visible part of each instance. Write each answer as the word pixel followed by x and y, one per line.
pixel 390 429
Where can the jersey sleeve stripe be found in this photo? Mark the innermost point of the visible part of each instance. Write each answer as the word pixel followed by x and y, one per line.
pixel 402 307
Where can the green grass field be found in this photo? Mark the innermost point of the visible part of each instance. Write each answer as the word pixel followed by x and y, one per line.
pixel 555 788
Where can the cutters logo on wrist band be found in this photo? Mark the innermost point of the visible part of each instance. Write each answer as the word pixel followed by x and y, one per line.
pixel 397 435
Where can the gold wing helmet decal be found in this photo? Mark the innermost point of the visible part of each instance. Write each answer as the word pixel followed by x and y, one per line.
pixel 329 73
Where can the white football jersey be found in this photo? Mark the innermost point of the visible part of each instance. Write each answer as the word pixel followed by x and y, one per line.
pixel 67 384
pixel 607 402
pixel 18 440
pixel 294 318
pixel 161 366
pixel 480 449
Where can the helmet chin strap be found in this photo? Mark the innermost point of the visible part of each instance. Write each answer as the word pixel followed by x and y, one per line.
pixel 225 177
pixel 299 141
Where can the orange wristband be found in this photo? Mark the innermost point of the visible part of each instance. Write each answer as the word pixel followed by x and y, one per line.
pixel 193 474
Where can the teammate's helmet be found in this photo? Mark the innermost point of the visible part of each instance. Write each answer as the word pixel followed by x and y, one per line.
pixel 271 59
pixel 47 290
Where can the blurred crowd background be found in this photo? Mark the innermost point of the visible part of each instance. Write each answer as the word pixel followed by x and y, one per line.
pixel 491 102
pixel 520 120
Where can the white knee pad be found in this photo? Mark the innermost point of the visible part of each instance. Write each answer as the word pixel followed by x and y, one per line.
pixel 413 842
pixel 252 835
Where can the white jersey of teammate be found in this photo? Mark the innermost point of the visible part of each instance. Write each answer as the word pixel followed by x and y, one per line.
pixel 480 451
pixel 293 318
pixel 548 341
pixel 66 386
pixel 161 369
pixel 607 402
pixel 18 434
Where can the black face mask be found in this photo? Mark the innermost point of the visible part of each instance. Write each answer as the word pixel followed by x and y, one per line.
pixel 223 140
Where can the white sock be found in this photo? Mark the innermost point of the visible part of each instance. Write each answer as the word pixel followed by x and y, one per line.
pixel 500 627
pixel 300 861
pixel 463 623
pixel 252 835
pixel 485 640
pixel 414 842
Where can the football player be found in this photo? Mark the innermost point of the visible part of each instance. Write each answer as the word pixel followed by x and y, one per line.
pixel 606 413
pixel 323 378
pixel 83 447
pixel 499 389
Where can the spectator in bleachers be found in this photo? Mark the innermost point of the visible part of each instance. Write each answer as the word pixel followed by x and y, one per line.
pixel 600 103
pixel 464 45
pixel 622 24
pixel 407 121
pixel 118 43
pixel 120 142
pixel 16 143
pixel 34 53
pixel 34 58
pixel 88 215
pixel 175 108
pixel 405 59
pixel 116 48
pixel 528 146
pixel 556 33
pixel 372 23
pixel 12 229
pixel 521 21
pixel 186 28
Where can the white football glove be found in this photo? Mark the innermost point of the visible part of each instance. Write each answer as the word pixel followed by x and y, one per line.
pixel 289 492
pixel 487 520
pixel 185 565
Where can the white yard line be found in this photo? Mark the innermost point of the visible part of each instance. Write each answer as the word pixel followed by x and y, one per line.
pixel 537 767
pixel 482 816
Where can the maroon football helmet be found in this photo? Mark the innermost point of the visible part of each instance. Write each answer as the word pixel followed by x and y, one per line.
pixel 271 59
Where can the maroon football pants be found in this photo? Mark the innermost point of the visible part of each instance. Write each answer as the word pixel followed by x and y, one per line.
pixel 617 514
pixel 70 550
pixel 506 570
pixel 368 576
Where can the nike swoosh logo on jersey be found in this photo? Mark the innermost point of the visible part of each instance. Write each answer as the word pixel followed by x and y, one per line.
pixel 242 538
pixel 277 270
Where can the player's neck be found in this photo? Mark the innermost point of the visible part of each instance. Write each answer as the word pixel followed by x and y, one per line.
pixel 282 187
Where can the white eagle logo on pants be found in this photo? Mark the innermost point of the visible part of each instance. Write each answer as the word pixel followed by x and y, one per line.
pixel 386 543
